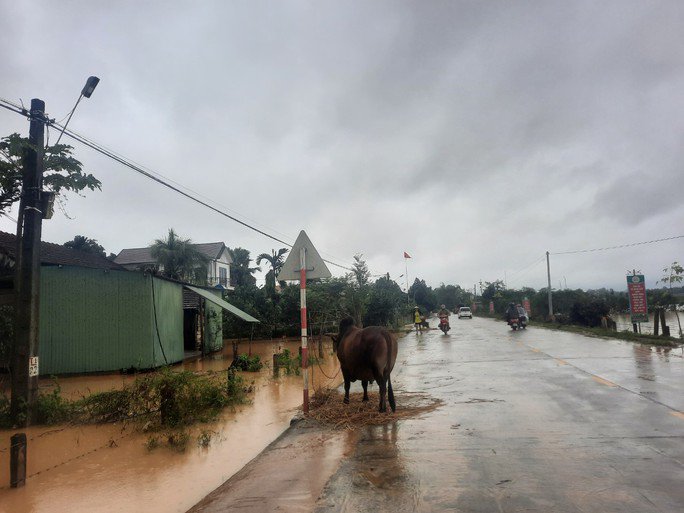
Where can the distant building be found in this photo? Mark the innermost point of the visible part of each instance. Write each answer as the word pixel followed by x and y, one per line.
pixel 218 268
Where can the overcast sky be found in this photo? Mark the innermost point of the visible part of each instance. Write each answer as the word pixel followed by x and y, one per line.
pixel 473 135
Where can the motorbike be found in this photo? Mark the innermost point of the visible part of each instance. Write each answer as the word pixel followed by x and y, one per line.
pixel 444 324
pixel 522 322
pixel 514 323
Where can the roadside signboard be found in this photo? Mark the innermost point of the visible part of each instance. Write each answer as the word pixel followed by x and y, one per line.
pixel 527 306
pixel 491 307
pixel 304 262
pixel 638 308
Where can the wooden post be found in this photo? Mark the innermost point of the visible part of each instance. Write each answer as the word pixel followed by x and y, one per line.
pixel 664 326
pixel 18 460
pixel 27 277
pixel 656 321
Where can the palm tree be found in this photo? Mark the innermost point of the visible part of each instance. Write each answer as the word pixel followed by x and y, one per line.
pixel 241 273
pixel 276 260
pixel 85 244
pixel 180 259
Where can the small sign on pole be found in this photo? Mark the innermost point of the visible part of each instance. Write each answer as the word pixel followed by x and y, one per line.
pixel 33 366
pixel 304 262
pixel 638 308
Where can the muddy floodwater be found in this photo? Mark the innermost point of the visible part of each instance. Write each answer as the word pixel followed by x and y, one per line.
pixel 109 468
pixel 625 324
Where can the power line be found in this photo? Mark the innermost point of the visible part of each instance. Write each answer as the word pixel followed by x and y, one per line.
pixel 174 188
pixel 153 176
pixel 618 247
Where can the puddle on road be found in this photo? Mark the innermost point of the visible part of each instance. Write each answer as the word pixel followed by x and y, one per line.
pixel 108 467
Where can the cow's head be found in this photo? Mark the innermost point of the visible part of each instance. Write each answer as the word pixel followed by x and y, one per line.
pixel 345 325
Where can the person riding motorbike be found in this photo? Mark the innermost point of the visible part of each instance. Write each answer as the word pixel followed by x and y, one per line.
pixel 418 318
pixel 512 312
pixel 522 315
pixel 444 314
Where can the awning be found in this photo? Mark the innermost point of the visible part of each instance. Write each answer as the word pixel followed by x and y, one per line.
pixel 223 304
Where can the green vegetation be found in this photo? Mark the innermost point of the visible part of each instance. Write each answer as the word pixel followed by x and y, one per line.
pixel 179 259
pixel 601 332
pixel 62 171
pixel 292 364
pixel 248 363
pixel 164 399
pixel 286 361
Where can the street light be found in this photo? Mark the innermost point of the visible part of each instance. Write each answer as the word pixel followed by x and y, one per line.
pixel 87 91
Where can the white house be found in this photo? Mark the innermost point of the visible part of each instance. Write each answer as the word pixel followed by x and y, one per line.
pixel 218 268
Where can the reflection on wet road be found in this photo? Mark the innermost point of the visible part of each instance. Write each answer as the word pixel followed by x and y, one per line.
pixel 533 420
pixel 107 468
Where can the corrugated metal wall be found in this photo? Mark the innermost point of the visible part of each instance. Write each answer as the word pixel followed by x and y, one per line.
pixel 169 320
pixel 95 320
pixel 213 336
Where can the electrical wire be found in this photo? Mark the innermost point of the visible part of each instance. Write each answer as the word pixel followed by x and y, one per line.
pixel 618 247
pixel 165 183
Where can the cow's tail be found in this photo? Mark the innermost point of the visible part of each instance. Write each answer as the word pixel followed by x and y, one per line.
pixel 390 392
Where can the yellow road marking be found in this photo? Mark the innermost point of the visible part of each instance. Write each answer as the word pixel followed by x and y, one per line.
pixel 561 362
pixel 604 381
pixel 535 349
pixel 678 414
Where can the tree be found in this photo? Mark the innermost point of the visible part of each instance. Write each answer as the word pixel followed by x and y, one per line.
pixel 360 270
pixel 179 259
pixel 276 260
pixel 62 172
pixel 241 273
pixel 674 273
pixel 423 295
pixel 386 304
pixel 86 245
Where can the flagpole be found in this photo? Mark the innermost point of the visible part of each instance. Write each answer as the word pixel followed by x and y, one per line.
pixel 408 300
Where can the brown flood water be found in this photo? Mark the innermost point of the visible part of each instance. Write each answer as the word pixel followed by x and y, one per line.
pixel 108 467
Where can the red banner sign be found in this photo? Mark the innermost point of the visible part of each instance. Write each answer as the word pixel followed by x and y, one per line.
pixel 527 306
pixel 491 307
pixel 638 308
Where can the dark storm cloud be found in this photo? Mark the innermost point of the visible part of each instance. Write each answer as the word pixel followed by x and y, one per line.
pixel 372 124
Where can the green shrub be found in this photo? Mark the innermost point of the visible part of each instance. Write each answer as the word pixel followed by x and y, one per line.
pixel 248 363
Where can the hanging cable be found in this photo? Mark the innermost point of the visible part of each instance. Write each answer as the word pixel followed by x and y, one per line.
pixel 618 247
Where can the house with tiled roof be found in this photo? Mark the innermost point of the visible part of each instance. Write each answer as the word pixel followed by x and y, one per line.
pixel 218 267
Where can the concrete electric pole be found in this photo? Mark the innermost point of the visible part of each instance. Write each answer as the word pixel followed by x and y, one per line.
pixel 27 273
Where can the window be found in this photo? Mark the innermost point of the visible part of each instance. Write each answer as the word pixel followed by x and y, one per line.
pixel 223 276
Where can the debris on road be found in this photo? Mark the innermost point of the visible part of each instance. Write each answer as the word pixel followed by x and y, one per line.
pixel 327 408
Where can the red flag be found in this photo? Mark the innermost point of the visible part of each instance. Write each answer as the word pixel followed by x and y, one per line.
pixel 406 255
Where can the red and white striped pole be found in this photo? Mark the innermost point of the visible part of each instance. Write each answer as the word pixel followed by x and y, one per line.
pixel 305 346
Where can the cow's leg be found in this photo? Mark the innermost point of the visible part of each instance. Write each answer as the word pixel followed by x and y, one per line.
pixel 364 384
pixel 382 386
pixel 347 384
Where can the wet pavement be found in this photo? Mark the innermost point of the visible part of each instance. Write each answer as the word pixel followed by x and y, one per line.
pixel 534 420
pixel 107 468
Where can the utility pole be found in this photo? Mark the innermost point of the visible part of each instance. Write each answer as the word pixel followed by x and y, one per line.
pixel 27 273
pixel 548 274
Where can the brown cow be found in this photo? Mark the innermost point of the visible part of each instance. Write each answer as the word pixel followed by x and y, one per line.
pixel 367 354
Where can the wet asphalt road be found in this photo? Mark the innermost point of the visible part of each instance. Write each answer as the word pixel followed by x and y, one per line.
pixel 533 420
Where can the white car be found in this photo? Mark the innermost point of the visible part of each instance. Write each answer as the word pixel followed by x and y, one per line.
pixel 464 311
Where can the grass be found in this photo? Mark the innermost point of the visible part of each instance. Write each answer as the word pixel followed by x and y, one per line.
pixel 163 399
pixel 600 332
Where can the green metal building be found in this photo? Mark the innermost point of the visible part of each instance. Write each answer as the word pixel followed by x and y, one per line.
pixel 97 317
